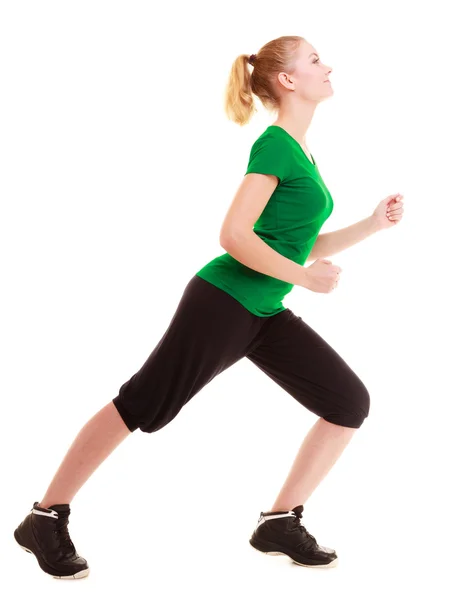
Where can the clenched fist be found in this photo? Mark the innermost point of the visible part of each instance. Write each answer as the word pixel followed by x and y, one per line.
pixel 322 276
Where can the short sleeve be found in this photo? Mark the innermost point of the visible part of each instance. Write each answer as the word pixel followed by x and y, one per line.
pixel 271 156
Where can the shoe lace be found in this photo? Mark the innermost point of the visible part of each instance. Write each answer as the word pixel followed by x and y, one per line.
pixel 310 540
pixel 62 534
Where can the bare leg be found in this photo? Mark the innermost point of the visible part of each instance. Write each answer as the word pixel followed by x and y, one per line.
pixel 95 441
pixel 319 451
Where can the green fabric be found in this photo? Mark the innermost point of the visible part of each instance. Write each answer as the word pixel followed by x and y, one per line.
pixel 289 223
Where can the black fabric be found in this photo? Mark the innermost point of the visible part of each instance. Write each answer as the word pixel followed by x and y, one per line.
pixel 209 332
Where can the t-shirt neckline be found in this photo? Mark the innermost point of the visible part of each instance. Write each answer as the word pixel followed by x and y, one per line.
pixel 313 164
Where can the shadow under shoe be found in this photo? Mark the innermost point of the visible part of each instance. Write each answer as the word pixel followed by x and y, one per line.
pixel 44 533
pixel 281 532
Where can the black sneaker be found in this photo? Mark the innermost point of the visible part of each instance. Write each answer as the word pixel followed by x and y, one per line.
pixel 281 532
pixel 44 533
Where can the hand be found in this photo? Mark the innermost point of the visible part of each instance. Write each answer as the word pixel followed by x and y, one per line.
pixel 389 212
pixel 322 276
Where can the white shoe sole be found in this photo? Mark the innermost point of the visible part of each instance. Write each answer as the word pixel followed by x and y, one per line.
pixel 333 563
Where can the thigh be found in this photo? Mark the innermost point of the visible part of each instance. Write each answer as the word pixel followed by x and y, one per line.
pixel 209 332
pixel 297 358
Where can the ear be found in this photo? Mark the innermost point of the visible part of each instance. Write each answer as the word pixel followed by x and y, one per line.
pixel 286 80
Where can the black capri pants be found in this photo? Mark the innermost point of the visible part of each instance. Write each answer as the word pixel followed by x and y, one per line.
pixel 209 332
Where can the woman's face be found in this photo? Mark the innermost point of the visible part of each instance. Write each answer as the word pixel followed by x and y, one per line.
pixel 309 76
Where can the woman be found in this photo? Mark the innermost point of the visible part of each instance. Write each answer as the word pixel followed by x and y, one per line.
pixel 232 308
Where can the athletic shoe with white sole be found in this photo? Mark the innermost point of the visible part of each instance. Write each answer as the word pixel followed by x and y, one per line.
pixel 44 533
pixel 281 532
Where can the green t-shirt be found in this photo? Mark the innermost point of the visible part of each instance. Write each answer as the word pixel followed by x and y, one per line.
pixel 289 223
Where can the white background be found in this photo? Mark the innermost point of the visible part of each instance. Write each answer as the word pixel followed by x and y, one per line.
pixel 118 165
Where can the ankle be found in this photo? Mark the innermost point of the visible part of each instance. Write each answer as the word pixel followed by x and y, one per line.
pixel 48 504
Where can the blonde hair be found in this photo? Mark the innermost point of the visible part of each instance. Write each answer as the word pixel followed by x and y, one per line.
pixel 275 56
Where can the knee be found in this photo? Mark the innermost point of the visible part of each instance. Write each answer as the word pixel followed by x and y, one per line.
pixel 357 408
pixel 360 404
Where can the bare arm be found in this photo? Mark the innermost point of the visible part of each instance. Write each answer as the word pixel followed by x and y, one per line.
pixel 243 244
pixel 333 242
pixel 249 249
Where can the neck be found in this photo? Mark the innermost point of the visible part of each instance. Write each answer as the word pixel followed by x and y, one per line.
pixel 296 118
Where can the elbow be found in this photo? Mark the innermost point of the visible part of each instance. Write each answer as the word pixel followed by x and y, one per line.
pixel 224 237
pixel 227 243
pixel 223 240
pixel 228 238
